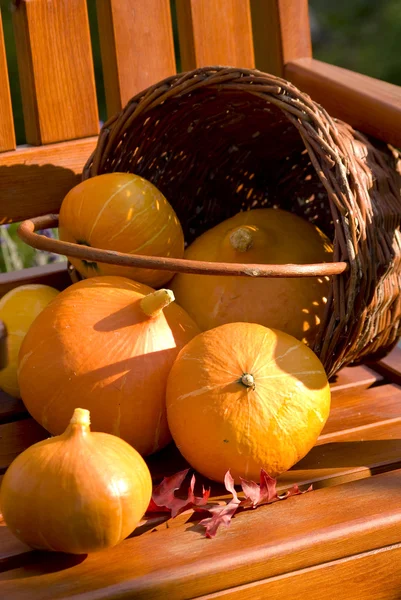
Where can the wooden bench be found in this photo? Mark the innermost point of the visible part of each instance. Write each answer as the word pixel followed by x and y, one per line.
pixel 341 540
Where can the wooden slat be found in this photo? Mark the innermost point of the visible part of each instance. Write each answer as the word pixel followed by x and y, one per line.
pixel 13 553
pixel 176 563
pixel 390 366
pixel 55 274
pixel 16 437
pixel 355 454
pixel 7 135
pixel 370 105
pixel 215 32
pixel 137 47
pixel 11 408
pixel 359 377
pixel 56 70
pixel 367 576
pixel 34 180
pixel 355 408
pixel 281 33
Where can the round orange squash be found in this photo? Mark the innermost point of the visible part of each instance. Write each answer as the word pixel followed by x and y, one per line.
pixel 268 236
pixel 242 397
pixel 125 213
pixel 107 344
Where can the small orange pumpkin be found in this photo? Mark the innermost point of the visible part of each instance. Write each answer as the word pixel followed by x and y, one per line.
pixel 109 344
pixel 267 236
pixel 125 213
pixel 78 492
pixel 242 397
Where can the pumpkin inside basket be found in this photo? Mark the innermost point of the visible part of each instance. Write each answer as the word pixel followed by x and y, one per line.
pixel 219 140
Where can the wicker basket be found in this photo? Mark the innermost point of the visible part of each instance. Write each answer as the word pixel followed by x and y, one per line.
pixel 218 140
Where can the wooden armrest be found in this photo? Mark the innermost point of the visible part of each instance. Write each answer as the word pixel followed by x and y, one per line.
pixel 53 274
pixel 370 105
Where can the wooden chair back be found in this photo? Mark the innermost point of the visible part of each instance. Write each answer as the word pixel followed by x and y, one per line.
pixel 54 54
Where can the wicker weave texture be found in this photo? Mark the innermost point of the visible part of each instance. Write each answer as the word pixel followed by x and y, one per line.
pixel 218 140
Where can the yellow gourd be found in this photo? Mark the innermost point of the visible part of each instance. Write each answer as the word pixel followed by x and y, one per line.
pixel 18 309
pixel 78 492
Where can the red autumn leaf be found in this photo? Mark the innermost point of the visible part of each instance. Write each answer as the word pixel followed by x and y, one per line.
pixel 222 515
pixel 259 494
pixel 164 498
pixel 294 491
pixel 197 500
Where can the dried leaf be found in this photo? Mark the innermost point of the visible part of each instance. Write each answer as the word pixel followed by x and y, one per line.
pixel 294 491
pixel 163 496
pixel 256 494
pixel 222 515
pixel 165 500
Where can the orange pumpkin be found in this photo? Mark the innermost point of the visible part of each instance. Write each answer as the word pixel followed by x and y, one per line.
pixel 125 213
pixel 109 344
pixel 269 236
pixel 78 492
pixel 242 397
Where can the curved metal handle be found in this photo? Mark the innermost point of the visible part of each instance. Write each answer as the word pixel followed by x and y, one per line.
pixel 27 233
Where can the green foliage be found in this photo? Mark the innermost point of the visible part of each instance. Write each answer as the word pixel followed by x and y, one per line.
pixel 15 255
pixel 361 35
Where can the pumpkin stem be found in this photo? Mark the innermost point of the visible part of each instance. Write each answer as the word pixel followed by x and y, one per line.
pixel 248 380
pixel 81 417
pixel 241 239
pixel 154 303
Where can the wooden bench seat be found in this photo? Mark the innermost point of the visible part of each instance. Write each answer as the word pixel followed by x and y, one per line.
pixel 342 539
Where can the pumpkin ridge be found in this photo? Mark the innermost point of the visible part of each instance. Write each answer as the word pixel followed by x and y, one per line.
pixel 150 240
pixel 105 205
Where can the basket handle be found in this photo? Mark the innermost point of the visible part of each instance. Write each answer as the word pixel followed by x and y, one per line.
pixel 27 233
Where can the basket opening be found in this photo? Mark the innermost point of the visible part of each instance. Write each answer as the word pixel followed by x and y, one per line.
pixel 213 155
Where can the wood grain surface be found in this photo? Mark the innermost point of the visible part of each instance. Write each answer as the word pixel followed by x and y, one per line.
pixel 176 563
pixel 55 70
pixel 360 376
pixel 347 527
pixel 54 274
pixel 281 33
pixel 127 29
pixel 11 409
pixel 34 180
pixel 206 37
pixel 7 135
pixel 370 105
pixel 390 366
pixel 366 576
